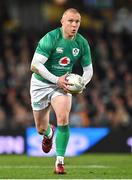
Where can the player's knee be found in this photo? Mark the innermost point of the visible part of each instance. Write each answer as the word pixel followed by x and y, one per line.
pixel 62 119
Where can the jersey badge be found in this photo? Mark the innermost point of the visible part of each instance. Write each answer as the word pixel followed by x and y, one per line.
pixel 64 61
pixel 75 51
pixel 59 50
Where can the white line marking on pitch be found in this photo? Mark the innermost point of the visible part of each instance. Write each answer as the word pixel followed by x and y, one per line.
pixel 48 167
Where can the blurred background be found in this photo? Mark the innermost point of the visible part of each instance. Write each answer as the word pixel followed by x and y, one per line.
pixel 107 101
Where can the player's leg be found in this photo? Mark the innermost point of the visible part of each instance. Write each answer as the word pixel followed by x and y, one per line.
pixel 62 106
pixel 40 98
pixel 41 118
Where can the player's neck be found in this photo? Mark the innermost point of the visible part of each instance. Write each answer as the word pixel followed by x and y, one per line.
pixel 66 36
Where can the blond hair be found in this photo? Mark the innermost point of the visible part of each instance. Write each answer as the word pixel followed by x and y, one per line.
pixel 73 10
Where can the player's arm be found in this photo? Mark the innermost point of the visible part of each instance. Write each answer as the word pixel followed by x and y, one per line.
pixel 86 63
pixel 41 55
pixel 37 66
pixel 87 73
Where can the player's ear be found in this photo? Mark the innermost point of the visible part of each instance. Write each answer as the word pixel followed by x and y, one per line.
pixel 61 20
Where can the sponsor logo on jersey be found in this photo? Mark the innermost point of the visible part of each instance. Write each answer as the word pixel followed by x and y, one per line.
pixel 59 50
pixel 75 51
pixel 64 61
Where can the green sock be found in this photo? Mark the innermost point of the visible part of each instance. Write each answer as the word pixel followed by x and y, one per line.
pixel 48 132
pixel 62 138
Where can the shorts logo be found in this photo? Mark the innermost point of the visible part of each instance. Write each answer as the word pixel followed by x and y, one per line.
pixel 75 51
pixel 36 104
pixel 64 61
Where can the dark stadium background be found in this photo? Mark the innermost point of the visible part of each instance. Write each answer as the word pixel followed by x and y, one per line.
pixel 107 101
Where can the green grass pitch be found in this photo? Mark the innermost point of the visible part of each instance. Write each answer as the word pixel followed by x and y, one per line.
pixel 88 166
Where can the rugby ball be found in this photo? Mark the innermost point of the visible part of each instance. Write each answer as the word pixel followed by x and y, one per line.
pixel 77 83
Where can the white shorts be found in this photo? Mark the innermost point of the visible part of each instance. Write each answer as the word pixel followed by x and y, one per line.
pixel 41 93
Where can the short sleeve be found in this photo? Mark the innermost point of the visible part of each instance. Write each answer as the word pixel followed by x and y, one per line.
pixel 86 54
pixel 45 46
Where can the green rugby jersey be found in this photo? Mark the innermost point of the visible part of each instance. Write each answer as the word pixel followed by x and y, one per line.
pixel 62 53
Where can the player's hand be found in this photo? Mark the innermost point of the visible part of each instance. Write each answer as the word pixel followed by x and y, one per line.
pixel 62 82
